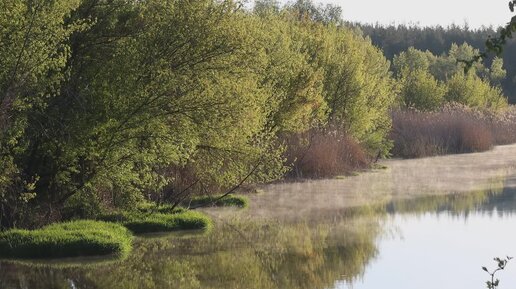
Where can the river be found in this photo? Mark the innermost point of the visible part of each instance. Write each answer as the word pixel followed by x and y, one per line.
pixel 417 224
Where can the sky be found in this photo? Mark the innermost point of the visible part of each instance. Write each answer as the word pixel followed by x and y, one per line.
pixel 476 13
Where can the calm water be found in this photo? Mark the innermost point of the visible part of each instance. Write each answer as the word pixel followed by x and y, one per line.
pixel 401 239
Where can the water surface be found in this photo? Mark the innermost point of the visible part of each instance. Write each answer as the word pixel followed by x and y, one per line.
pixel 429 223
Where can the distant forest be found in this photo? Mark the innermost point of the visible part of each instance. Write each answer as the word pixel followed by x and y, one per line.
pixel 438 40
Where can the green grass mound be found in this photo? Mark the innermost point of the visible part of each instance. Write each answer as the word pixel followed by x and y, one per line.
pixel 141 223
pixel 166 209
pixel 64 240
pixel 149 207
pixel 227 201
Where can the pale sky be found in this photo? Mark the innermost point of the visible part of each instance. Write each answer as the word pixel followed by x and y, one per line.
pixel 425 13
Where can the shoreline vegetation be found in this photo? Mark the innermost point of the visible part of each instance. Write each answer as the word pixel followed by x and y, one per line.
pixel 452 129
pixel 141 223
pixel 134 112
pixel 231 200
pixel 110 234
pixel 64 240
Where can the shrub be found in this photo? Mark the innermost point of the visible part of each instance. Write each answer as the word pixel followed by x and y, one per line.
pixel 71 239
pixel 319 154
pixel 140 223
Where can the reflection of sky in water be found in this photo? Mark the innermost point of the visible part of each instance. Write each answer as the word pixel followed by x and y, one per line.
pixel 444 250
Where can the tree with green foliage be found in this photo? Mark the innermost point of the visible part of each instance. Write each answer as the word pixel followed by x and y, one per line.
pixel 358 86
pixel 497 72
pixel 105 104
pixel 148 85
pixel 438 40
pixel 471 90
pixel 412 59
pixel 427 81
pixel 420 90
pixel 33 37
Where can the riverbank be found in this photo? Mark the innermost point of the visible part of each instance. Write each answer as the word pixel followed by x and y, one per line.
pixel 270 245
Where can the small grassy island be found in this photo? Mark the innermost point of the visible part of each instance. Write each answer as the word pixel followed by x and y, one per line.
pixel 63 240
pixel 140 223
pixel 112 233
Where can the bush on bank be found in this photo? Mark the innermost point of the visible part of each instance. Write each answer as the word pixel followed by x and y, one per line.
pixel 70 239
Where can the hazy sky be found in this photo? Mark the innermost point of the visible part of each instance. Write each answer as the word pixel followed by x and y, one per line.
pixel 425 13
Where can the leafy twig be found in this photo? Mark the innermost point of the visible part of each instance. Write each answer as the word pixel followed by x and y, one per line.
pixel 501 263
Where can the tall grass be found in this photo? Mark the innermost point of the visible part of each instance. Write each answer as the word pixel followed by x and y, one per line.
pixel 140 223
pixel 71 239
pixel 216 201
pixel 453 129
pixel 323 153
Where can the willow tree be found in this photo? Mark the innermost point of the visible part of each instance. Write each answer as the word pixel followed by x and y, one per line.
pixel 33 58
pixel 358 86
pixel 141 88
pixel 292 81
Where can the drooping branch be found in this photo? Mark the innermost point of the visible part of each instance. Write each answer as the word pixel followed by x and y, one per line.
pixel 494 45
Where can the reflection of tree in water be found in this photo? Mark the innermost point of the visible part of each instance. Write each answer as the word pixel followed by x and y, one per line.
pixel 272 255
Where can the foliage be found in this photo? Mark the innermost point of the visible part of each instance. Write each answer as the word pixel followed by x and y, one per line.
pixel 106 104
pixel 71 239
pixel 34 53
pixel 144 87
pixel 501 263
pixel 420 90
pixel 470 90
pixel 427 81
pixel 358 86
pixel 496 44
pixel 439 40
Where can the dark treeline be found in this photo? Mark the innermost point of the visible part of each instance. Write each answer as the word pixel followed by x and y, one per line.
pixel 105 104
pixel 438 40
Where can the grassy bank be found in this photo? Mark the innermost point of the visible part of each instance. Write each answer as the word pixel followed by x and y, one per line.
pixel 62 240
pixel 149 208
pixel 217 201
pixel 141 223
